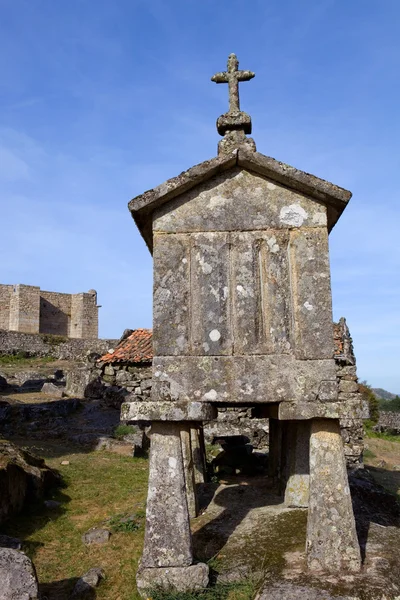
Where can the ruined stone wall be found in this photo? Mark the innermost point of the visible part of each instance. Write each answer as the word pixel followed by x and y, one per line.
pixel 389 422
pixel 55 313
pixel 349 394
pixel 5 299
pixel 27 309
pixel 61 347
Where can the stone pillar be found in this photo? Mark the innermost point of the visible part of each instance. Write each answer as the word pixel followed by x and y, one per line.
pixel 275 449
pixel 198 453
pixel 297 463
pixel 167 554
pixel 332 543
pixel 188 468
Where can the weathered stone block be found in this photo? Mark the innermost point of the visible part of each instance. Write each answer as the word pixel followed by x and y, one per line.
pixel 257 379
pixel 181 579
pixel 348 387
pixel 167 411
pixel 52 390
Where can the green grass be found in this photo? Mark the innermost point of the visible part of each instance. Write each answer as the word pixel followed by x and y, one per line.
pixel 99 488
pixel 22 359
pixel 381 436
pixel 122 430
pixel 242 590
pixel 368 454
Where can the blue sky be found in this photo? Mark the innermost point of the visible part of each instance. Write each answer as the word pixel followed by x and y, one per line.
pixel 102 100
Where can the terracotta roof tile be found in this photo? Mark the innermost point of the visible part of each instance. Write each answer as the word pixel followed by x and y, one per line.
pixel 136 348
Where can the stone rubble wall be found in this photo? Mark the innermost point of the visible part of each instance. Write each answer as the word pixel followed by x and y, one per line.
pixel 389 422
pixel 351 427
pixel 60 347
pixel 238 420
pixel 114 384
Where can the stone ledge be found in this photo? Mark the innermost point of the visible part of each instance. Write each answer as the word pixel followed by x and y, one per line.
pixel 167 411
pixel 317 410
pixel 181 579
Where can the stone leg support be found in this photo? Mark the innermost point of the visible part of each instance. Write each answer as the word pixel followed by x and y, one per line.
pixel 275 449
pixel 167 554
pixel 297 463
pixel 332 544
pixel 188 468
pixel 198 453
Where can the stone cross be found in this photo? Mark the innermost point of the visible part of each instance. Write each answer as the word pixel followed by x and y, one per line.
pixel 232 77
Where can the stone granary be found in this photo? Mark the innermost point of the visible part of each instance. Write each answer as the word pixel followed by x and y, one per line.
pixel 242 315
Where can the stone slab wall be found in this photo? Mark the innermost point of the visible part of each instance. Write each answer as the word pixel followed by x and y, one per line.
pixel 242 285
pixel 13 342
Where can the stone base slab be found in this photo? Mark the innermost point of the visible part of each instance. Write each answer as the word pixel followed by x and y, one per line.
pixel 167 411
pixel 259 379
pixel 181 579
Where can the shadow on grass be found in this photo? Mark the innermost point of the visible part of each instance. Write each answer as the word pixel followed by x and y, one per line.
pixel 62 590
pixel 373 493
pixel 33 518
pixel 237 501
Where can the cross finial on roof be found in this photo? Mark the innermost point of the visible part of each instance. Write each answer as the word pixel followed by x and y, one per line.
pixel 234 124
pixel 232 76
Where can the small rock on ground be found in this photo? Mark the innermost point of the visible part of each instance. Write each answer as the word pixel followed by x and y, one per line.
pixel 85 585
pixel 52 504
pixel 52 390
pixel 96 536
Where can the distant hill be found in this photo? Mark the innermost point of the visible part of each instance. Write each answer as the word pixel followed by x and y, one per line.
pixel 384 394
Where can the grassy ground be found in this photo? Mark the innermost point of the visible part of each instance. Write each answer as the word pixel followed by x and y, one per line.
pixel 19 360
pixel 382 456
pixel 101 489
pixel 99 486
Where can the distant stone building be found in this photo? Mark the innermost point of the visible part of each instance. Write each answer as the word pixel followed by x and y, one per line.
pixel 28 309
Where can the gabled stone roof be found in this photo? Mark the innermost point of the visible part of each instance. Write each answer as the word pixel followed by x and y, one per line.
pixel 136 348
pixel 333 196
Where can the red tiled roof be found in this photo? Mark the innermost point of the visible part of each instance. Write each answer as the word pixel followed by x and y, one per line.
pixel 136 348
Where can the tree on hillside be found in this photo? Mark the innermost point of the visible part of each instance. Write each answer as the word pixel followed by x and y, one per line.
pixel 390 405
pixel 372 401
